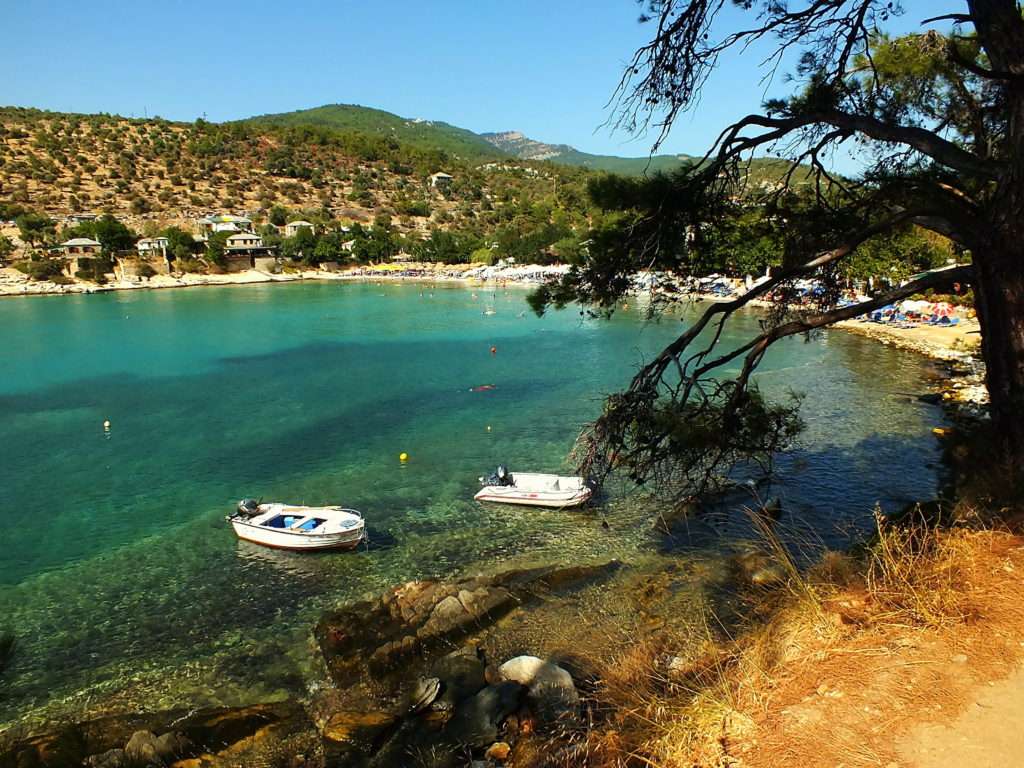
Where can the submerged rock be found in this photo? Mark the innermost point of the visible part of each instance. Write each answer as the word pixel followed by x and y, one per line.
pixel 498 751
pixel 462 674
pixel 349 736
pixel 146 748
pixel 112 758
pixel 420 617
pixel 476 720
pixel 759 569
pixel 181 731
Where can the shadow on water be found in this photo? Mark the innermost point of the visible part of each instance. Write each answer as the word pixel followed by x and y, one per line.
pixel 818 506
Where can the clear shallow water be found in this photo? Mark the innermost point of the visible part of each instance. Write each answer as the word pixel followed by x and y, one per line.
pixel 126 588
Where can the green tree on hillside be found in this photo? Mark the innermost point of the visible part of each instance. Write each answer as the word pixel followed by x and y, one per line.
pixel 180 244
pixel 35 228
pixel 6 247
pixel 216 247
pixel 112 234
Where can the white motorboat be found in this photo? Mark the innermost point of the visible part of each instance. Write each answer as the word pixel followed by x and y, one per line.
pixel 533 489
pixel 286 526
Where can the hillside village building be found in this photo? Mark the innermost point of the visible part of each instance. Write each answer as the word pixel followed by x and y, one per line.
pixel 291 229
pixel 75 251
pixel 245 250
pixel 152 246
pixel 223 222
pixel 441 180
pixel 79 246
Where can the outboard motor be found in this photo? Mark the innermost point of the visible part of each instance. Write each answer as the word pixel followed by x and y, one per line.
pixel 248 507
pixel 500 476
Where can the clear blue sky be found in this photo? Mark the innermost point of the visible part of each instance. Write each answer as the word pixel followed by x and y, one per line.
pixel 546 68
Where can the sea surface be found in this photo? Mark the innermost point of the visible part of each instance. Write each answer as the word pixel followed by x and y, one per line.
pixel 127 590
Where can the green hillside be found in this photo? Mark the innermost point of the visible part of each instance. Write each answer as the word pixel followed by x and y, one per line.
pixel 427 135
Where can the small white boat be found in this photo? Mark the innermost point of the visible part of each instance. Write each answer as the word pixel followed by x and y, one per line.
pixel 285 526
pixel 533 489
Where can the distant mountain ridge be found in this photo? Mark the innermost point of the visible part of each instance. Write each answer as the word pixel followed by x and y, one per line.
pixel 515 143
pixel 461 142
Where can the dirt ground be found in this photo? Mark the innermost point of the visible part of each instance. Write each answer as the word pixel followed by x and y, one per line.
pixel 900 696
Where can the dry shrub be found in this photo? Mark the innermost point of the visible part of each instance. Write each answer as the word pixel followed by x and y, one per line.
pixel 917 573
pixel 703 709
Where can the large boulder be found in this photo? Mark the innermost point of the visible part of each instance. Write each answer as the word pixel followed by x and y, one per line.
pixel 476 720
pixel 461 674
pixel 551 693
pixel 145 748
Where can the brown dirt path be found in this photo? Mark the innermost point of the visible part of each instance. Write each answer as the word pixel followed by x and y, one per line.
pixel 989 733
pixel 889 695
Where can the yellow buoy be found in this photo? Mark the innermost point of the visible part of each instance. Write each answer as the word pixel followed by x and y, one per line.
pixel 488 427
pixel 106 424
pixel 403 456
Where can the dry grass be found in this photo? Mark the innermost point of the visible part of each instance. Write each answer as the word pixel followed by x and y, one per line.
pixel 852 648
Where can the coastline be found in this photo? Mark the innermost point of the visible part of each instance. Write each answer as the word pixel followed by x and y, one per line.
pixel 951 344
pixel 14 283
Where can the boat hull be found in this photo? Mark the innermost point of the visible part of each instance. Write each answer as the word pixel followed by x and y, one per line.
pixel 283 539
pixel 549 499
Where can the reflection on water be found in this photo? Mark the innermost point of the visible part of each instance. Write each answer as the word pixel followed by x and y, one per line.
pixel 131 591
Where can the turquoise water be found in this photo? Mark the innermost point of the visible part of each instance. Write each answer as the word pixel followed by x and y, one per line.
pixel 126 589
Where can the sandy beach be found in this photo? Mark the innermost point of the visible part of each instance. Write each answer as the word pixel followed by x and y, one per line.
pixel 958 342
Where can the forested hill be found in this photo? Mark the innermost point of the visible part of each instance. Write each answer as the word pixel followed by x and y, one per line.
pixel 427 135
pixel 155 173
pixel 432 135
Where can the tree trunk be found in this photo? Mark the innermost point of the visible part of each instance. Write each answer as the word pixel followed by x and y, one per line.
pixel 1000 303
pixel 999 262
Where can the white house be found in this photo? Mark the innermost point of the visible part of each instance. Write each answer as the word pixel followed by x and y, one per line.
pixel 440 180
pixel 79 246
pixel 224 222
pixel 291 229
pixel 76 249
pixel 244 241
pixel 152 246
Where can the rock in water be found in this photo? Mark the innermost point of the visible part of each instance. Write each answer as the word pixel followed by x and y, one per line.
pixel 423 693
pixel 419 618
pixel 112 758
pixel 551 692
pixel 476 720
pixel 462 674
pixel 350 734
pixel 498 751
pixel 146 748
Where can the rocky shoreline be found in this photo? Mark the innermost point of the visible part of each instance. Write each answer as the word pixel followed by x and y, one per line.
pixel 415 671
